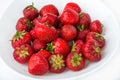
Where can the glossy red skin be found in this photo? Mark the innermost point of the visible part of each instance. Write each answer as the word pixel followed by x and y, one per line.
pixel 96 26
pixel 21 24
pixel 50 8
pixel 25 59
pixel 89 51
pixel 82 34
pixel 45 53
pixel 38 45
pixel 84 20
pixel 53 70
pixel 38 65
pixel 68 32
pixel 30 13
pixel 24 40
pixel 69 64
pixel 92 35
pixel 78 46
pixel 61 47
pixel 45 33
pixel 73 6
pixel 51 19
pixel 69 16
pixel 36 21
pixel 33 34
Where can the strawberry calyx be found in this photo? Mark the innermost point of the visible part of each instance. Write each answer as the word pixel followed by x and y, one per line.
pixel 75 60
pixel 57 61
pixel 31 6
pixel 99 36
pixel 80 14
pixel 28 23
pixel 50 48
pixel 73 47
pixel 48 25
pixel 18 35
pixel 81 28
pixel 97 49
pixel 23 53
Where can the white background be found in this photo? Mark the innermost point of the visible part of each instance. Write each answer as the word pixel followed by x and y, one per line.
pixel 111 71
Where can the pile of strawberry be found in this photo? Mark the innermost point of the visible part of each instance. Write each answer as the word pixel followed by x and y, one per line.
pixel 49 41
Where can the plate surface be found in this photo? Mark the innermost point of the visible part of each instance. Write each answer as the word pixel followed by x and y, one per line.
pixel 95 8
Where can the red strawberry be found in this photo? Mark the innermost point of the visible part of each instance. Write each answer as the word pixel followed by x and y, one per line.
pixel 36 21
pixel 33 34
pixel 92 51
pixel 84 21
pixel 20 38
pixel 57 63
pixel 24 24
pixel 73 6
pixel 30 12
pixel 82 34
pixel 50 8
pixel 50 19
pixel 75 61
pixel 23 53
pixel 77 46
pixel 45 33
pixel 58 46
pixel 96 26
pixel 96 36
pixel 69 16
pixel 45 53
pixel 68 32
pixel 38 45
pixel 38 64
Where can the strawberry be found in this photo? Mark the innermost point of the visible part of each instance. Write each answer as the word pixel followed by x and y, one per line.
pixel 36 21
pixel 82 34
pixel 23 53
pixel 38 45
pixel 57 63
pixel 68 32
pixel 84 21
pixel 50 8
pixel 33 34
pixel 30 12
pixel 45 32
pixel 73 6
pixel 77 46
pixel 24 24
pixel 58 46
pixel 38 64
pixel 45 53
pixel 96 26
pixel 50 19
pixel 75 61
pixel 20 38
pixel 69 16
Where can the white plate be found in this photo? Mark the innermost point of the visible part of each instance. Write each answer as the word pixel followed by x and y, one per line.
pixel 95 8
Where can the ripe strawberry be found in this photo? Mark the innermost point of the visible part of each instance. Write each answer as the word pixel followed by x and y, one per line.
pixel 84 21
pixel 75 61
pixel 77 46
pixel 38 45
pixel 58 46
pixel 24 24
pixel 36 21
pixel 51 19
pixel 57 63
pixel 96 26
pixel 38 64
pixel 23 53
pixel 30 12
pixel 82 34
pixel 92 51
pixel 73 6
pixel 50 8
pixel 20 38
pixel 68 32
pixel 96 36
pixel 69 16
pixel 45 53
pixel 33 34
pixel 45 33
